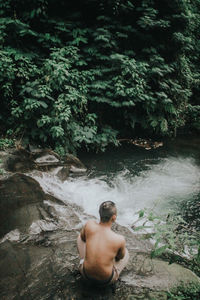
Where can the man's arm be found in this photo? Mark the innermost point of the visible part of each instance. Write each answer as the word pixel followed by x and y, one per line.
pixel 121 251
pixel 86 228
pixel 82 234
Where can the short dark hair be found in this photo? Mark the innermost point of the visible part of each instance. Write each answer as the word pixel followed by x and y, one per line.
pixel 106 210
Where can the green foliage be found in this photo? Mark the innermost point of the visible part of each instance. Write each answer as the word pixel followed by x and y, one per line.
pixel 194 116
pixel 101 69
pixel 60 150
pixel 182 292
pixel 6 143
pixel 171 236
pixel 174 234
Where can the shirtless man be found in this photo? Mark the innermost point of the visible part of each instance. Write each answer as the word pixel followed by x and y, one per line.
pixel 103 253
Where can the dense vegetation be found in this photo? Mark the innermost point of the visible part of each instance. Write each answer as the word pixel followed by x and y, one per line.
pixel 182 292
pixel 84 73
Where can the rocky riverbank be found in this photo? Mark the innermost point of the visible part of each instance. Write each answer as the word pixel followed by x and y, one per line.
pixel 38 255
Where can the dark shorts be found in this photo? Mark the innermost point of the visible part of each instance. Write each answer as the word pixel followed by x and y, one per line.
pixel 113 277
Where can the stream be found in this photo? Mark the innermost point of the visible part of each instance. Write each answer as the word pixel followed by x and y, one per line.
pixel 164 179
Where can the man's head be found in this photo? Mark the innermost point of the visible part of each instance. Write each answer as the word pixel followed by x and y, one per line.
pixel 107 211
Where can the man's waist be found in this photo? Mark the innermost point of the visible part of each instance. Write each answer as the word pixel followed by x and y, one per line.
pixel 100 280
pixel 99 271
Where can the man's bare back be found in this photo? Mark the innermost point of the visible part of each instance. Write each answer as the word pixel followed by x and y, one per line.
pixel 103 253
pixel 103 246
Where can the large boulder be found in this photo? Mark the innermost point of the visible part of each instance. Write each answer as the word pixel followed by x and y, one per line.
pixel 19 160
pixel 39 259
pixel 19 197
pixel 76 166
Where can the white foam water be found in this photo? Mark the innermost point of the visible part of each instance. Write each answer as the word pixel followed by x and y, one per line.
pixel 162 185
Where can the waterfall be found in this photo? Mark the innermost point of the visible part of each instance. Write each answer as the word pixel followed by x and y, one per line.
pixel 161 183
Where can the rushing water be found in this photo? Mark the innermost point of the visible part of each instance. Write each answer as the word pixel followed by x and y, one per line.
pixel 134 178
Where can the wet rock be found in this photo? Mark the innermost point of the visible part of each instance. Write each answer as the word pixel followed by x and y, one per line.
pixel 19 160
pixel 74 161
pixel 21 202
pixel 155 273
pixel 46 160
pixel 75 170
pixel 45 156
pixel 40 152
pixel 39 255
pixel 34 272
pixel 63 173
pixel 3 172
pixel 34 148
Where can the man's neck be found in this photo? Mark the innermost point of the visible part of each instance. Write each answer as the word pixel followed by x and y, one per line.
pixel 106 224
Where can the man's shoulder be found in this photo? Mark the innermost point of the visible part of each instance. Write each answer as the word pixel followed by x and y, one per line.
pixel 90 223
pixel 120 238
